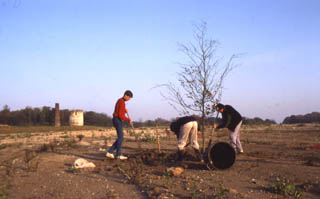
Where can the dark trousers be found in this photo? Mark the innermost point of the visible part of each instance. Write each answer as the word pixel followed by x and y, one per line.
pixel 117 123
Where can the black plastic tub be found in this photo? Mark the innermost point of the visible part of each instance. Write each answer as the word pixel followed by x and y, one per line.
pixel 220 155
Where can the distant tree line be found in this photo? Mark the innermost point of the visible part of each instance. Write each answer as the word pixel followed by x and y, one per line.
pixel 30 116
pixel 208 121
pixel 257 121
pixel 152 123
pixel 97 119
pixel 46 115
pixel 245 120
pixel 313 117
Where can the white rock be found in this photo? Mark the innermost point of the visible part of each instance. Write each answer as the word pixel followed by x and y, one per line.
pixel 83 163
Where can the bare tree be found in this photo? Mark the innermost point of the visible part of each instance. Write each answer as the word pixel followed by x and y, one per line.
pixel 200 80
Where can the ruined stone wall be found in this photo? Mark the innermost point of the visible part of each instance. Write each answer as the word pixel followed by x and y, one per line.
pixel 57 122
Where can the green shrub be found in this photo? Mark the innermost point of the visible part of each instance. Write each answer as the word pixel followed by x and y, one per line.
pixel 3 146
pixel 284 187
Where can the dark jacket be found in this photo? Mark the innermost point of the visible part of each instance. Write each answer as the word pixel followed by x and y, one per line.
pixel 230 118
pixel 175 126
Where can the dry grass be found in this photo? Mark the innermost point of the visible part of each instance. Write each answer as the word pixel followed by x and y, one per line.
pixel 275 150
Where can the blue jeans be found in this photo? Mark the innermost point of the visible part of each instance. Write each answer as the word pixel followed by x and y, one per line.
pixel 117 123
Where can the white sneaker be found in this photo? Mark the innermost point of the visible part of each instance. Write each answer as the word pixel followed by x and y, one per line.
pixel 122 157
pixel 110 155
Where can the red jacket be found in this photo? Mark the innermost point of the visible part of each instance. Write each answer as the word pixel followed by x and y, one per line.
pixel 120 110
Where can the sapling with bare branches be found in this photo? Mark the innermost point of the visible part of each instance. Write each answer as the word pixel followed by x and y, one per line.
pixel 200 79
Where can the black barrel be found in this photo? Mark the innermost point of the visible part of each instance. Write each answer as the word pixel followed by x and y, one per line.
pixel 220 155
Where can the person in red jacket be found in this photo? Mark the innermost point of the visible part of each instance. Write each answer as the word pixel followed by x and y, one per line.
pixel 119 115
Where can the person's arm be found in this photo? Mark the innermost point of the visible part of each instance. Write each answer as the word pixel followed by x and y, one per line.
pixel 130 121
pixel 225 121
pixel 174 128
pixel 199 128
pixel 229 118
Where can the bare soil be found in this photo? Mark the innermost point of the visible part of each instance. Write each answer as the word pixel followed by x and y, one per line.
pixel 41 166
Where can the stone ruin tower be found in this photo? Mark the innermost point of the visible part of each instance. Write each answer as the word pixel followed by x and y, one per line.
pixel 57 122
pixel 76 118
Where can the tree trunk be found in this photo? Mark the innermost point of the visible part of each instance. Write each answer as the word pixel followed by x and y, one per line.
pixel 203 132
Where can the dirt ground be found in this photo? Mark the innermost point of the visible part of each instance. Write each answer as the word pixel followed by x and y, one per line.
pixel 279 161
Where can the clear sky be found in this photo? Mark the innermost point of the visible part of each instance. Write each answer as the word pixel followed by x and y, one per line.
pixel 84 54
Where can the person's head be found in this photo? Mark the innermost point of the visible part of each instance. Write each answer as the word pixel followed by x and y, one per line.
pixel 173 126
pixel 220 108
pixel 127 95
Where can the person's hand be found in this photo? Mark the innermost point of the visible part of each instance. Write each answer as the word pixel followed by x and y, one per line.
pixel 126 110
pixel 199 132
pixel 131 123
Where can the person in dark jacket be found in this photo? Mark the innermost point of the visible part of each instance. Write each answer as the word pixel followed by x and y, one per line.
pixel 184 128
pixel 232 120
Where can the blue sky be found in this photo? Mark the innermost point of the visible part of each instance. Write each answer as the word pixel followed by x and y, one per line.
pixel 85 54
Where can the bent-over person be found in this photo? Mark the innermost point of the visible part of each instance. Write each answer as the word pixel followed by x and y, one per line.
pixel 184 128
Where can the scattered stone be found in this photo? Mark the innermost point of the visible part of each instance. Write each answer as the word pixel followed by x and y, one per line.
pixel 175 171
pixel 233 191
pixel 307 187
pixel 158 190
pixel 162 196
